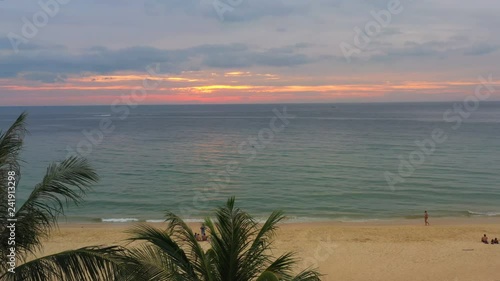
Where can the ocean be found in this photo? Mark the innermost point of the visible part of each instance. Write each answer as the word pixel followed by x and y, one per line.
pixel 316 162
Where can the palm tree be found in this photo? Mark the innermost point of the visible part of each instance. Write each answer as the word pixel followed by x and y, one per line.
pixel 64 183
pixel 239 250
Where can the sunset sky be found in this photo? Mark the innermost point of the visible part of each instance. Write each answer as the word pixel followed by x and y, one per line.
pixel 260 51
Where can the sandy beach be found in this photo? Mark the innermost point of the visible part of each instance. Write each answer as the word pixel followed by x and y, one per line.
pixel 449 249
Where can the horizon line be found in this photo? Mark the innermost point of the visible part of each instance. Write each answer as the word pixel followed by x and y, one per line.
pixel 208 104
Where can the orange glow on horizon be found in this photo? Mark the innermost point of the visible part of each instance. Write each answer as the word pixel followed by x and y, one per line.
pixel 228 87
pixel 212 88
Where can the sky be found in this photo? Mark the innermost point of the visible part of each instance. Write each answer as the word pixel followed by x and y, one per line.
pixel 76 52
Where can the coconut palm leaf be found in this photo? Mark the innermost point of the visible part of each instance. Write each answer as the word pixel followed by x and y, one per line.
pixel 268 276
pixel 148 263
pixel 88 263
pixel 166 259
pixel 239 250
pixel 283 266
pixel 231 239
pixel 11 143
pixel 62 184
pixel 263 242
pixel 307 275
pixel 182 233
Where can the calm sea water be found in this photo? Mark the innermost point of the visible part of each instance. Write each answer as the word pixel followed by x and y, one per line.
pixel 329 162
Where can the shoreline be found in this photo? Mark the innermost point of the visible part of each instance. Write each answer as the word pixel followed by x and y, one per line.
pixel 369 222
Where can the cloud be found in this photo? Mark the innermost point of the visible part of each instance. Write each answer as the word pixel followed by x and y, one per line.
pixel 166 7
pixel 41 64
pixel 481 49
pixel 455 45
pixel 233 11
pixel 44 77
pixel 251 10
pixel 286 56
pixel 294 39
pixel 5 44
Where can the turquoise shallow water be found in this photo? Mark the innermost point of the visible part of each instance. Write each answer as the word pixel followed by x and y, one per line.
pixel 327 163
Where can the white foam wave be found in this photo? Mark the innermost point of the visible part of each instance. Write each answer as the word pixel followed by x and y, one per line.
pixel 120 220
pixel 194 220
pixel 155 221
pixel 487 214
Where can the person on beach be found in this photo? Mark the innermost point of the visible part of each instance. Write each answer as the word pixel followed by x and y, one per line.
pixel 203 233
pixel 202 229
pixel 426 218
pixel 484 239
pixel 494 241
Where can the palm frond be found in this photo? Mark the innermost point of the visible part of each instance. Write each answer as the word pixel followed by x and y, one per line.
pixel 257 256
pixel 88 263
pixel 308 275
pixel 268 276
pixel 232 241
pixel 146 262
pixel 169 249
pixel 239 250
pixel 283 266
pixel 62 184
pixel 11 143
pixel 180 232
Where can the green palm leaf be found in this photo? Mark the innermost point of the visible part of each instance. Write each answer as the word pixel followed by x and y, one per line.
pixel 164 252
pixel 239 250
pixel 11 143
pixel 268 276
pixel 64 183
pixel 89 263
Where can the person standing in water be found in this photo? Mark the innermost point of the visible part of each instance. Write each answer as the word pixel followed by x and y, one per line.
pixel 426 218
